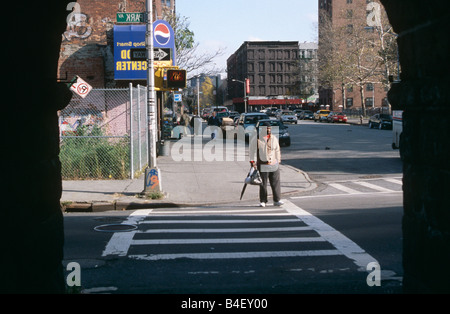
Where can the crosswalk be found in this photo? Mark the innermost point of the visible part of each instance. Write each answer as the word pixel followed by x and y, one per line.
pixel 231 233
pixel 361 187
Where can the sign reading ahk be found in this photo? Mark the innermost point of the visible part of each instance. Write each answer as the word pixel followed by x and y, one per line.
pixel 127 37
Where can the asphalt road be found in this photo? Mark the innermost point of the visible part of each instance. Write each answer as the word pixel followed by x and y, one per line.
pixel 318 242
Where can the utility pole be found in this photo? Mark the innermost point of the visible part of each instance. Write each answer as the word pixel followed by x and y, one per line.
pixel 152 173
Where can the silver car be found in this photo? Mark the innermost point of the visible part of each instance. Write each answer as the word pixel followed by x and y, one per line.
pixel 287 116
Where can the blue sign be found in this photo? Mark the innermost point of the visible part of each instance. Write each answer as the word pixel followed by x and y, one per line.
pixel 127 37
pixel 177 97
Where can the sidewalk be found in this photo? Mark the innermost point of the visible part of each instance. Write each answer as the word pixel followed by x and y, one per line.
pixel 184 183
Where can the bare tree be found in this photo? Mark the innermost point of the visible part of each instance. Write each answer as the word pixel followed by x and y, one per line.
pixel 355 54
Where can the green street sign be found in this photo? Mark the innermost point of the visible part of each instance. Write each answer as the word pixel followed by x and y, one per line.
pixel 135 17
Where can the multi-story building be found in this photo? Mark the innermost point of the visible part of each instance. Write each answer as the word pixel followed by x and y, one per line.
pixel 308 85
pixel 343 28
pixel 270 67
pixel 87 47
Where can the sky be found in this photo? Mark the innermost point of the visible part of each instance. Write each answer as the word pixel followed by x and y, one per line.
pixel 228 23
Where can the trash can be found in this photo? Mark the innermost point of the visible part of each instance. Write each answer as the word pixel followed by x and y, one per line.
pixel 164 148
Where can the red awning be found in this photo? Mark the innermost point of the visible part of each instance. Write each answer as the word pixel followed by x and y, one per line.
pixel 269 102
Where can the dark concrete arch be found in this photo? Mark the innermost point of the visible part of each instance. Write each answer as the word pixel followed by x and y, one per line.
pixel 423 29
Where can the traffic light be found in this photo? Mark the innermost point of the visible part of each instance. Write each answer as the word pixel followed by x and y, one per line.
pixel 176 79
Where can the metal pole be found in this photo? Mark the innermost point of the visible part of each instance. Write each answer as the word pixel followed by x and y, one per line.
pixel 151 103
pixel 245 95
pixel 139 125
pixel 152 180
pixel 198 96
pixel 131 133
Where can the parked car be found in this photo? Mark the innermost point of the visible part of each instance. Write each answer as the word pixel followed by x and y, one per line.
pixel 337 117
pixel 321 115
pixel 234 114
pixel 307 115
pixel 283 135
pixel 248 121
pixel 381 121
pixel 287 116
pixel 299 113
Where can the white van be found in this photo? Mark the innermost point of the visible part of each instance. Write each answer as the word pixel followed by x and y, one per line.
pixel 397 127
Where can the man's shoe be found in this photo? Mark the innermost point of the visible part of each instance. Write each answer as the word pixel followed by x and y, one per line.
pixel 262 204
pixel 279 203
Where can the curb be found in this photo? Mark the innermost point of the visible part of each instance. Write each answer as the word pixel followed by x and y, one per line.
pixel 93 207
pixel 118 205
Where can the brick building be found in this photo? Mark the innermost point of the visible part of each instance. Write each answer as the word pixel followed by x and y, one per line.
pixel 87 46
pixel 349 17
pixel 270 66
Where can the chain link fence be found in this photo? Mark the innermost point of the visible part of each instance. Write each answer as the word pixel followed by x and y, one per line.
pixel 104 135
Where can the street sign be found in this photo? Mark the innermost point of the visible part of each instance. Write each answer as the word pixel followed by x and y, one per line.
pixel 132 17
pixel 177 97
pixel 160 54
pixel 80 87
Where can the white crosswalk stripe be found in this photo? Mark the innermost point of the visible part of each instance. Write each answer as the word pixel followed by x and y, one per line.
pixel 373 186
pixel 159 236
pixel 344 188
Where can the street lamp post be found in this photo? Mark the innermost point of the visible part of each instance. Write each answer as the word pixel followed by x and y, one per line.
pixel 152 180
pixel 245 92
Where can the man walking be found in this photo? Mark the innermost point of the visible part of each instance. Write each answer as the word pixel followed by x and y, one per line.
pixel 215 122
pixel 268 156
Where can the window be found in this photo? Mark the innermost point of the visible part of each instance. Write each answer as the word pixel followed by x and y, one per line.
pixel 369 87
pixel 262 67
pixel 262 79
pixel 279 67
pixel 369 102
pixel 349 1
pixel 272 78
pixel 279 79
pixel 272 66
pixel 279 54
pixel 349 102
pixel 271 54
pixel 251 67
pixel 262 54
pixel 165 3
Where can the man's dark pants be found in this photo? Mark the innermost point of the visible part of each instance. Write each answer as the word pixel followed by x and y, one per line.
pixel 274 179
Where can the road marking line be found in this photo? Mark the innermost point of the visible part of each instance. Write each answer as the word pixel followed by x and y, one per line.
pixel 392 180
pixel 226 241
pixel 373 186
pixel 344 188
pixel 346 194
pixel 217 221
pixel 156 257
pixel 120 242
pixel 220 230
pixel 224 212
pixel 343 244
